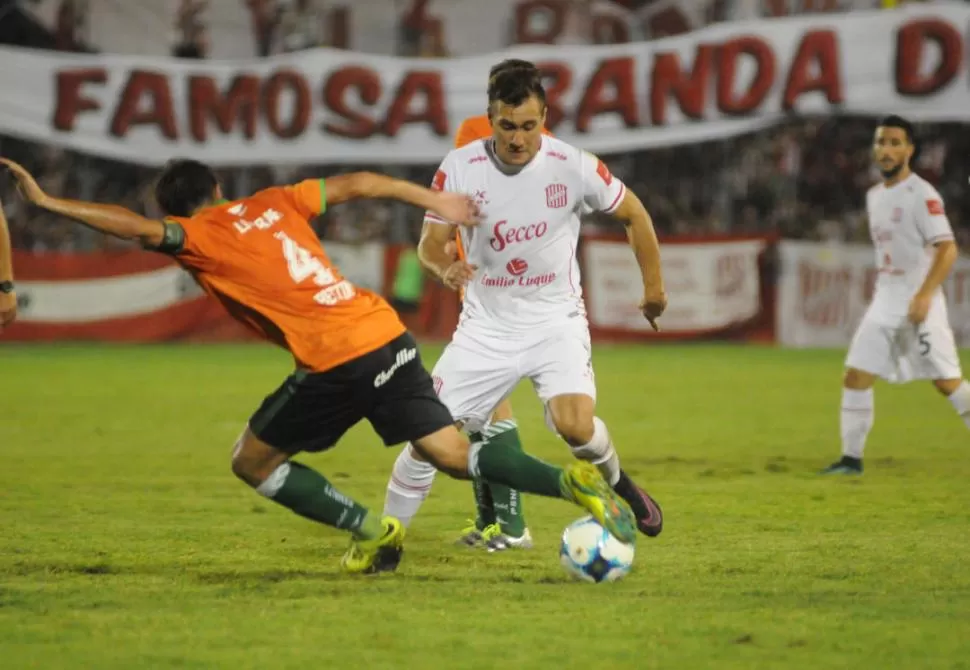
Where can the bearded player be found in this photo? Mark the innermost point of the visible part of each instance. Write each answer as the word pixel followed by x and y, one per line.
pixel 523 314
pixel 905 334
pixel 354 359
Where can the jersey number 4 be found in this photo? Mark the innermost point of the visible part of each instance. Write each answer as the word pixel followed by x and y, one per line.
pixel 303 265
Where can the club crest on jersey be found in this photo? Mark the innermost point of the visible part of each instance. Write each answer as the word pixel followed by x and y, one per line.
pixel 516 267
pixel 556 196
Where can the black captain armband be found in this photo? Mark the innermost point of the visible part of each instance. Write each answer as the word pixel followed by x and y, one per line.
pixel 173 239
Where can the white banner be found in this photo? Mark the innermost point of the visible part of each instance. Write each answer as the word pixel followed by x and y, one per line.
pixel 327 106
pixel 710 285
pixel 824 289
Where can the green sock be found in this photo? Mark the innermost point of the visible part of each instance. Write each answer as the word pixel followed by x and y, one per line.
pixel 309 494
pixel 513 467
pixel 506 501
pixel 483 496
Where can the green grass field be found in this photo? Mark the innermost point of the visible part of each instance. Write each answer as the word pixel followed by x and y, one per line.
pixel 125 541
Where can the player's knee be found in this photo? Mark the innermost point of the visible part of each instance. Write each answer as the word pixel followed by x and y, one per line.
pixel 857 380
pixel 253 461
pixel 947 386
pixel 576 427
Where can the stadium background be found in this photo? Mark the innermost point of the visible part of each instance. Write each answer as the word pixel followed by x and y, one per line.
pixel 729 207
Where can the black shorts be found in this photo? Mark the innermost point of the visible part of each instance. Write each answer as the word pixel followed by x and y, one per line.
pixel 389 387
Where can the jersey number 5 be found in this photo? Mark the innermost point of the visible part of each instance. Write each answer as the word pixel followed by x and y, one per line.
pixel 924 344
pixel 302 265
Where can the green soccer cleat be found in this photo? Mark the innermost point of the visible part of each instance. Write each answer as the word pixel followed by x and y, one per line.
pixel 472 536
pixel 367 557
pixel 502 541
pixel 586 486
pixel 847 465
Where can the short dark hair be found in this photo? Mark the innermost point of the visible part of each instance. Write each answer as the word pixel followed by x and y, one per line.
pixel 511 64
pixel 184 186
pixel 515 86
pixel 894 121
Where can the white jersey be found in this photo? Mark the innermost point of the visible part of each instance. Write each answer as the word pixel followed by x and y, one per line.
pixel 905 221
pixel 525 246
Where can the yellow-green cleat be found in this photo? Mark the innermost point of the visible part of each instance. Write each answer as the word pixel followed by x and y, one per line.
pixel 586 486
pixel 367 557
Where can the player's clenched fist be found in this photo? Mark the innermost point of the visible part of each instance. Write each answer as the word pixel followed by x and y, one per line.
pixel 653 305
pixel 458 274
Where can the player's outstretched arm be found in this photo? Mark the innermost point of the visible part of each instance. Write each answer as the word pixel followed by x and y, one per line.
pixel 8 298
pixel 357 185
pixel 646 248
pixel 110 219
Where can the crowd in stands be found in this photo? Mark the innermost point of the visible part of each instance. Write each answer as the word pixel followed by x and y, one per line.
pixel 805 178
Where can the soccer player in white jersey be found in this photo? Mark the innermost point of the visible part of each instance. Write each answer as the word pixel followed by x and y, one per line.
pixel 523 314
pixel 905 333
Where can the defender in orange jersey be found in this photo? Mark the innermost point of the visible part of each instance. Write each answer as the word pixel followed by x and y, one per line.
pixel 354 358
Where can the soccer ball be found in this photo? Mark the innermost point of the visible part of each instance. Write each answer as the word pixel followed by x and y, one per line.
pixel 591 554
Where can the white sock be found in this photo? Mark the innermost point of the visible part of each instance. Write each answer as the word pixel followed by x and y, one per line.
pixel 600 452
pixel 409 485
pixel 960 399
pixel 856 421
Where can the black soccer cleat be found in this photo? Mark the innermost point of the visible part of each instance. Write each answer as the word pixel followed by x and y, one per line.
pixel 650 518
pixel 847 465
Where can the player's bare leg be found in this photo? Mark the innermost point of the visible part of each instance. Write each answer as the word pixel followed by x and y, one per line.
pixel 855 421
pixel 957 392
pixel 377 543
pixel 573 417
pixel 450 451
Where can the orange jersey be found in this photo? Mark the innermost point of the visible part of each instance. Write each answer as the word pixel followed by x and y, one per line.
pixel 261 259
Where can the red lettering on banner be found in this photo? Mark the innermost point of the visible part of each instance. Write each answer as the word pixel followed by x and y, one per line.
pixel 502 237
pixel 531 13
pixel 420 85
pixel 143 85
pixel 70 102
pixel 824 294
pixel 617 73
pixel 610 29
pixel 275 88
pixel 911 42
pixel 557 79
pixel 368 85
pixel 815 68
pixel 688 89
pixel 240 103
pixel 765 67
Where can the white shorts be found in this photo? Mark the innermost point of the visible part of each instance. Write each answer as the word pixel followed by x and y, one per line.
pixel 906 352
pixel 475 373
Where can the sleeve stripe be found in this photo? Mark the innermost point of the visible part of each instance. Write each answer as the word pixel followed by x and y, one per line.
pixel 434 218
pixel 941 237
pixel 616 201
pixel 323 196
